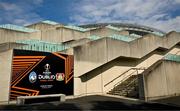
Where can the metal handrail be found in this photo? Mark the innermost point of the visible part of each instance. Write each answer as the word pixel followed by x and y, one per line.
pixel 125 78
pixel 122 75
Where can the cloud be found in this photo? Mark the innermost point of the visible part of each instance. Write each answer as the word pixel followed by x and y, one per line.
pixel 153 13
pixel 8 6
pixel 20 12
pixel 177 1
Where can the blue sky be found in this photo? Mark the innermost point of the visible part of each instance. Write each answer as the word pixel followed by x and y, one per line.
pixel 161 14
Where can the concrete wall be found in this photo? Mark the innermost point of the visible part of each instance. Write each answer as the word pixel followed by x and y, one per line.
pixel 112 73
pixel 175 50
pixel 5 74
pixel 116 48
pixel 35 35
pixel 58 33
pixel 99 52
pixel 77 42
pixel 90 83
pixel 171 39
pixel 99 79
pixel 141 47
pixel 74 43
pixel 124 32
pixel 94 55
pixel 118 70
pixel 61 34
pixel 49 33
pixel 162 81
pixel 144 62
pixel 12 36
pixel 103 32
pixel 7 46
pixel 42 26
pixel 89 56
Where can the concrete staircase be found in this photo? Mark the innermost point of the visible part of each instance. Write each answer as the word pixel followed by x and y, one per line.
pixel 128 88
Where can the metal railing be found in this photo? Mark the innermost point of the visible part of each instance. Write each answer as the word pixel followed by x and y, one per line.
pixel 125 78
pixel 123 74
pixel 130 83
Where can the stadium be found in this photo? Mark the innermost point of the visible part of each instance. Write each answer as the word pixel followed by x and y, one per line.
pixel 119 59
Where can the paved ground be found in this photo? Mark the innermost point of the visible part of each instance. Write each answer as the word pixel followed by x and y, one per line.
pixel 92 103
pixel 171 100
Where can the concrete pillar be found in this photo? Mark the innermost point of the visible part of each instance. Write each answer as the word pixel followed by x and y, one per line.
pixel 5 74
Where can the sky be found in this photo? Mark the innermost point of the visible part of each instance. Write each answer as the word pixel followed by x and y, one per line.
pixel 160 14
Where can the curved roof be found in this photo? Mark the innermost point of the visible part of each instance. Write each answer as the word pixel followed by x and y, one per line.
pixel 124 25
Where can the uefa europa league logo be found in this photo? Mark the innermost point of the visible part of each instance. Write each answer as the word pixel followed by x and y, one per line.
pixel 47 67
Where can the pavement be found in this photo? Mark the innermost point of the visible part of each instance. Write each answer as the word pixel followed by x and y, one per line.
pixel 94 102
pixel 175 100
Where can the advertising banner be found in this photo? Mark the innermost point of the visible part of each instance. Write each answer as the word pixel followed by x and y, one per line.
pixel 39 73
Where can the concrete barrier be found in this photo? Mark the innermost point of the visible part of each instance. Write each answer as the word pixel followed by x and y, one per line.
pixel 22 99
pixel 161 80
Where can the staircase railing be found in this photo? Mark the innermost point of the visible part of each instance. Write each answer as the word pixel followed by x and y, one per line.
pixel 126 77
pixel 136 70
pixel 123 74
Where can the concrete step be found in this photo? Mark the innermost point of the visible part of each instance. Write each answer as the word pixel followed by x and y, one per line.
pixel 122 89
pixel 122 94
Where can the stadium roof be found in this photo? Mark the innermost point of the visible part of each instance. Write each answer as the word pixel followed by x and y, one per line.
pixel 125 26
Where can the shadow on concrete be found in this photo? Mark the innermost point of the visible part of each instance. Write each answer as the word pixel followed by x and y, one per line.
pixel 174 100
pixel 95 102
pixel 43 106
pixel 114 105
